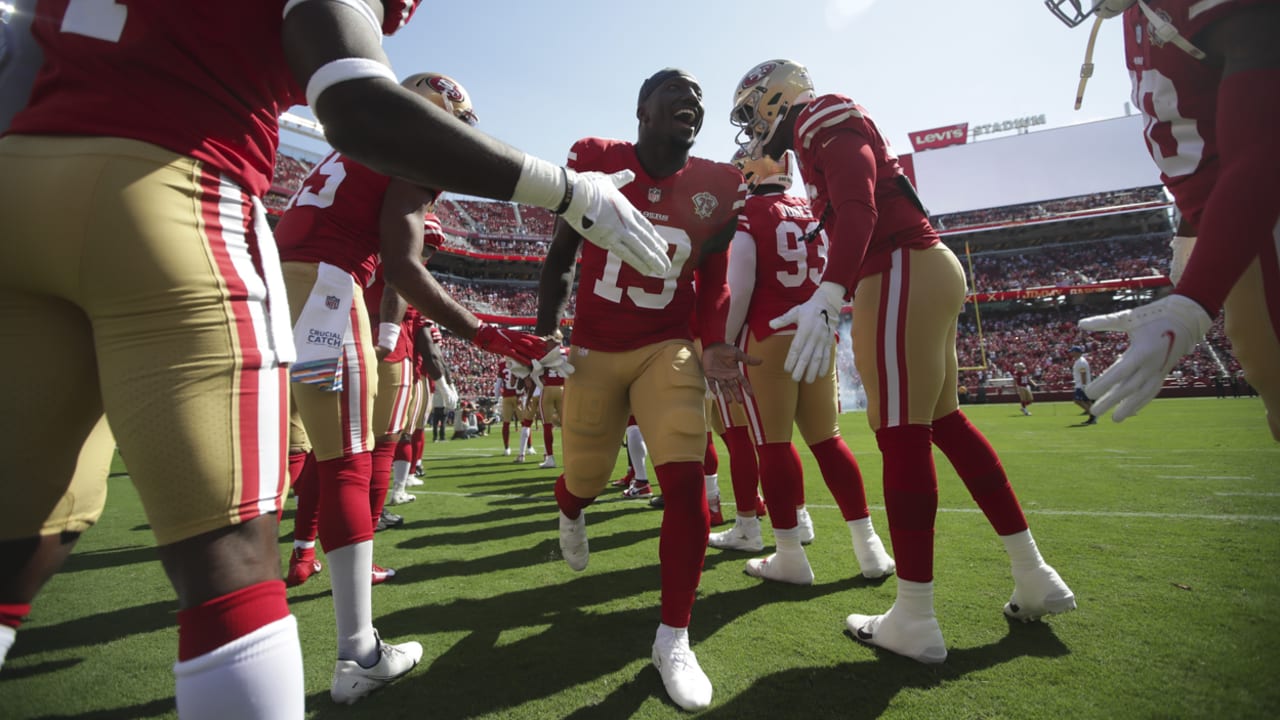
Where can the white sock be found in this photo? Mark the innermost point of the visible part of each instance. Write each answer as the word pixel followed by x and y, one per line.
pixel 673 632
pixel 524 439
pixel 713 485
pixel 255 677
pixel 787 541
pixel 399 475
pixel 749 525
pixel 1023 553
pixel 638 452
pixel 862 531
pixel 915 599
pixel 349 575
pixel 304 544
pixel 7 636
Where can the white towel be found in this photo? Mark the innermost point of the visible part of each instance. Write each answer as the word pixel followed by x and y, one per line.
pixel 322 329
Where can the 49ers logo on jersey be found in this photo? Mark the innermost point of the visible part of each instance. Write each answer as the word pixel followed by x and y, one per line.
pixel 704 204
pixel 447 88
pixel 758 73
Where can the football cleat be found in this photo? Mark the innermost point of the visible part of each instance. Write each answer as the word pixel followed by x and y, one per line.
pixel 573 541
pixel 739 537
pixel 686 684
pixel 413 481
pixel 352 682
pixel 638 490
pixel 548 462
pixel 917 638
pixel 302 565
pixel 380 574
pixel 762 510
pixel 713 504
pixel 400 497
pixel 789 567
pixel 804 524
pixel 625 480
pixel 657 502
pixel 1037 593
pixel 506 451
pixel 519 458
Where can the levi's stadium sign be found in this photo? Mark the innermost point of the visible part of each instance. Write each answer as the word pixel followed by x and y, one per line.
pixel 957 134
pixel 939 137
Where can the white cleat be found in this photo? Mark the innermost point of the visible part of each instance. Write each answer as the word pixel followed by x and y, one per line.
pixel 412 481
pixel 805 524
pixel 738 537
pixel 874 560
pixel 917 638
pixel 519 458
pixel 352 682
pixel 548 462
pixel 686 684
pixel 573 541
pixel 507 452
pixel 789 567
pixel 400 497
pixel 1037 593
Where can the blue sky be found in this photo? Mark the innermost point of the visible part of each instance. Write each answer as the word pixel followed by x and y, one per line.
pixel 544 74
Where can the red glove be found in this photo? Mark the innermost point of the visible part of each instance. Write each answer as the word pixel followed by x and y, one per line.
pixel 519 346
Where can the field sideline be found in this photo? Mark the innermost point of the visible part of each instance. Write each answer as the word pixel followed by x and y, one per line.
pixel 1167 527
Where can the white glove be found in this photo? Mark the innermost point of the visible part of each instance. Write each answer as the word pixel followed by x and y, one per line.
pixel 816 319
pixel 607 219
pixel 1160 333
pixel 1182 247
pixel 450 395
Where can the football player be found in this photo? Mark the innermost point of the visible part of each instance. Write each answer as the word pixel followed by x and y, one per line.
pixel 908 290
pixel 160 153
pixel 1023 385
pixel 508 388
pixel 776 262
pixel 633 349
pixel 1206 76
pixel 551 410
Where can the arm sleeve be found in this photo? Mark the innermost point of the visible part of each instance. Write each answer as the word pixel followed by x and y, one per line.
pixel 742 281
pixel 849 167
pixel 713 298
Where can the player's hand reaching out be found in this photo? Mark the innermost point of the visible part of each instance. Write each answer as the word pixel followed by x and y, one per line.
pixel 722 364
pixel 1160 333
pixel 816 319
pixel 604 216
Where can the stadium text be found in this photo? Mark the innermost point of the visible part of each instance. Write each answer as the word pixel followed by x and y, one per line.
pixel 1018 124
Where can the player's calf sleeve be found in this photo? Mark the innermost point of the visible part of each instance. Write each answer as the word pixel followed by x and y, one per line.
pixel 380 476
pixel 306 488
pixel 781 475
pixel 344 505
pixel 239 657
pixel 506 435
pixel 637 451
pixel 571 505
pixel 743 467
pixel 682 544
pixel 710 458
pixel 419 442
pixel 404 449
pixel 843 477
pixel 910 498
pixel 549 438
pixel 980 468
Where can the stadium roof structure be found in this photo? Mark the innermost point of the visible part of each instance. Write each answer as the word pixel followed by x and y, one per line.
pixel 1073 161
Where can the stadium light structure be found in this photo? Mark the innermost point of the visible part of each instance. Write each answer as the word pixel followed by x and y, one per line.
pixel 302 126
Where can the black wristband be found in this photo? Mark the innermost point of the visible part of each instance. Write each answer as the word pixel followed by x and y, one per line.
pixel 568 192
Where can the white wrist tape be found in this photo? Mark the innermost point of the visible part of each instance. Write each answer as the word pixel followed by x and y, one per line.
pixel 343 70
pixel 541 184
pixel 365 11
pixel 388 335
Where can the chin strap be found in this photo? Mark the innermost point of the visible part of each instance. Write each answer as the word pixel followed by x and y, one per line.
pixel 1163 30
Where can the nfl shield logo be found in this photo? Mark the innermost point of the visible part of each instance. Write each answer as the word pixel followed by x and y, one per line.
pixel 331 302
pixel 655 194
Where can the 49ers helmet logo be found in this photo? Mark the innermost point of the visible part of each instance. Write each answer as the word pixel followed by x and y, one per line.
pixel 758 73
pixel 447 88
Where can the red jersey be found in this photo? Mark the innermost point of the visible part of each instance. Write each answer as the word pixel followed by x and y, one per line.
pixel 618 308
pixel 335 217
pixel 203 79
pixel 1022 379
pixel 511 384
pixel 823 128
pixel 788 269
pixel 552 377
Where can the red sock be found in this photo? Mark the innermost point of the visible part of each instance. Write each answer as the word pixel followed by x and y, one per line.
pixel 682 544
pixel 13 614
pixel 404 451
pixel 419 441
pixel 506 435
pixel 306 487
pixel 843 477
pixel 910 498
pixel 549 438
pixel 210 625
pixel 344 500
pixel 571 505
pixel 743 467
pixel 781 476
pixel 297 461
pixel 710 460
pixel 384 452
pixel 979 467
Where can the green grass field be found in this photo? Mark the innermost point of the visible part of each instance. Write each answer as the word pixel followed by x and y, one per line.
pixel 1167 528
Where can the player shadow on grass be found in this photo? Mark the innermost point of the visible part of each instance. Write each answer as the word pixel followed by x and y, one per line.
pixel 153 709
pixel 93 630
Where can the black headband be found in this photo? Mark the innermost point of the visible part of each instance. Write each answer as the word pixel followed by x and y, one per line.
pixel 657 79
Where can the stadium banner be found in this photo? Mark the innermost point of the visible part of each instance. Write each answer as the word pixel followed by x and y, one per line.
pixel 1152 281
pixel 940 137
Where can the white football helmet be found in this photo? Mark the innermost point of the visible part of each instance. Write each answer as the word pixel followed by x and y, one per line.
pixel 1074 12
pixel 763 170
pixel 762 99
pixel 444 92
